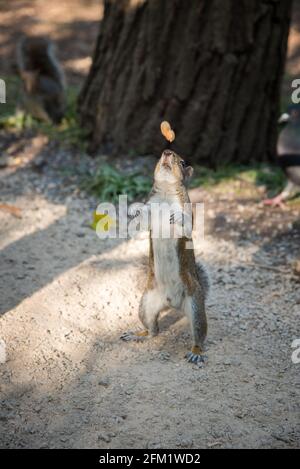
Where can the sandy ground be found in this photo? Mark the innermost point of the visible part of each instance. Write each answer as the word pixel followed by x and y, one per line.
pixel 66 296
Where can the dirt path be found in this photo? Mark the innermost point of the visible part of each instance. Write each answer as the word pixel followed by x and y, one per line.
pixel 65 297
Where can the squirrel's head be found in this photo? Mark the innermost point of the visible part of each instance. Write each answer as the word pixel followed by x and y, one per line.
pixel 171 169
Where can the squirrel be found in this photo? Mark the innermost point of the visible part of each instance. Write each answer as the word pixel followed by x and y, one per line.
pixel 175 280
pixel 43 79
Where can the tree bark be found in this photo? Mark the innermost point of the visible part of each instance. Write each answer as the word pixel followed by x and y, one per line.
pixel 212 68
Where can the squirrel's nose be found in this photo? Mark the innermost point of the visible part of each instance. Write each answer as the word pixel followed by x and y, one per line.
pixel 166 158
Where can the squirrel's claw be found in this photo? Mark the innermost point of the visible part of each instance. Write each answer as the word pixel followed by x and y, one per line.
pixel 176 218
pixel 136 337
pixel 182 220
pixel 134 211
pixel 196 358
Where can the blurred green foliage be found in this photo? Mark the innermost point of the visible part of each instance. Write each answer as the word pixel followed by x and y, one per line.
pixel 107 183
pixel 68 132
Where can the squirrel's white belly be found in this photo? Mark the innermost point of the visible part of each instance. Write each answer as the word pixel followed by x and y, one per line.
pixel 166 271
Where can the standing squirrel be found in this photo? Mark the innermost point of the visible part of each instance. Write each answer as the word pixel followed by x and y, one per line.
pixel 175 280
pixel 43 79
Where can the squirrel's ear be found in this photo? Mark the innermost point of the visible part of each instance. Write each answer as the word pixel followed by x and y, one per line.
pixel 188 172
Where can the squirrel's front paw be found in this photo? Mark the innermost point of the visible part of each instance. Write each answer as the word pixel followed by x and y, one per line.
pixel 177 218
pixel 134 210
pixel 183 221
pixel 196 356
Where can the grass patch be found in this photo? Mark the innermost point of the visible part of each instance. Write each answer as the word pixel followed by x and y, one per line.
pixel 68 132
pixel 107 183
pixel 257 174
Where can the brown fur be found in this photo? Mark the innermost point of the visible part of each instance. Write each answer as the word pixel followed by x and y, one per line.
pixel 184 284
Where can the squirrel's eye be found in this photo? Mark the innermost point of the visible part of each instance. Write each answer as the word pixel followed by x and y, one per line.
pixel 183 163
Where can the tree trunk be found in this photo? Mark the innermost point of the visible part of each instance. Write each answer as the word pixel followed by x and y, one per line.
pixel 212 68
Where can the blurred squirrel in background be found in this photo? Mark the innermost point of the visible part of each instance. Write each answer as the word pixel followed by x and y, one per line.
pixel 43 79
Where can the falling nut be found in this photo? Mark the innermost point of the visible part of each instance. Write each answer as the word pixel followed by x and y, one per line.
pixel 167 132
pixel 165 127
pixel 171 136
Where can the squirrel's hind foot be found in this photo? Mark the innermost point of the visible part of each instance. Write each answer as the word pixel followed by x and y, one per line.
pixel 196 357
pixel 138 336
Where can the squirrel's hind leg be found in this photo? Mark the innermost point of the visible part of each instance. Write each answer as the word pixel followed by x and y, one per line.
pixel 150 306
pixel 194 308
